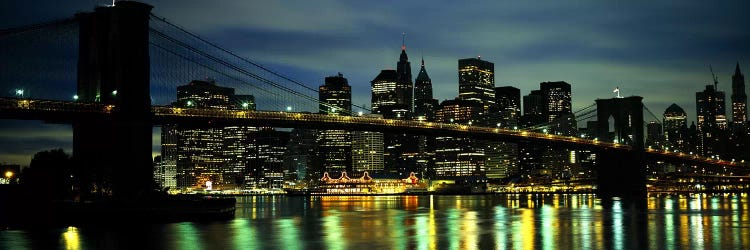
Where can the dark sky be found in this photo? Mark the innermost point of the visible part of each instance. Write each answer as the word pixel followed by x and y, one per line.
pixel 656 49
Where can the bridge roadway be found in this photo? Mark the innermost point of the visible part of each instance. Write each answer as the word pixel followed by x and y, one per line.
pixel 69 111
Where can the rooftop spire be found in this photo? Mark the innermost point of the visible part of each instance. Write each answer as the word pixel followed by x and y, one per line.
pixel 423 61
pixel 403 40
pixel 737 69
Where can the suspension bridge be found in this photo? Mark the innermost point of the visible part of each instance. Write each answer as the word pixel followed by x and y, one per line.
pixel 115 72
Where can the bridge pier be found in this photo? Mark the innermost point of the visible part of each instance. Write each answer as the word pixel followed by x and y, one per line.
pixel 621 174
pixel 113 68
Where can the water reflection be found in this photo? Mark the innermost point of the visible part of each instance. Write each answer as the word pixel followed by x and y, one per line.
pixel 433 222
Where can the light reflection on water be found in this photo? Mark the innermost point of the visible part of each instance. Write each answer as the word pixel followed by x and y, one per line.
pixel 432 222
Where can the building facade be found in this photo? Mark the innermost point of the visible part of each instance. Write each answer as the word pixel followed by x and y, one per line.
pixel 335 146
pixel 476 81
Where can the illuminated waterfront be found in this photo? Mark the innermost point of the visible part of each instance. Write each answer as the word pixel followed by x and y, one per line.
pixel 431 222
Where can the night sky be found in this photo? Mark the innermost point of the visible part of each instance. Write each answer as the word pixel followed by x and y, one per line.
pixel 660 51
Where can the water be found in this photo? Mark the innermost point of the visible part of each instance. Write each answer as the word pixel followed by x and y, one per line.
pixel 431 222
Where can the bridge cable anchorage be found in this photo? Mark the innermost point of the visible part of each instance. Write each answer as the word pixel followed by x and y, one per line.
pixel 164 20
pixel 237 68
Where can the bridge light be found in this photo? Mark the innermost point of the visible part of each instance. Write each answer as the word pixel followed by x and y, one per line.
pixel 19 92
pixel 359 113
pixel 544 130
pixel 498 125
pixel 288 108
pixel 469 122
pixel 8 174
pixel 451 119
pixel 245 105
pixel 189 103
pixel 75 97
pixel 515 127
pixel 114 92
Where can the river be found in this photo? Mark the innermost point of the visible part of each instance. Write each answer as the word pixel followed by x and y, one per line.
pixel 528 221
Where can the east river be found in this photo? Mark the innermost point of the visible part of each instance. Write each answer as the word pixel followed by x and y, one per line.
pixel 528 221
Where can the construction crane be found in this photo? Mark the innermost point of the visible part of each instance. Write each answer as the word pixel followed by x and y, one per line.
pixel 716 79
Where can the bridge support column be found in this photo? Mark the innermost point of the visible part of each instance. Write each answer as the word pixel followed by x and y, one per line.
pixel 621 174
pixel 113 68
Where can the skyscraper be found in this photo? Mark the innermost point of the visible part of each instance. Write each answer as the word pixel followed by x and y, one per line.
pixel 335 146
pixel 712 121
pixel 675 128
pixel 508 103
pixel 557 108
pixel 476 81
pixel 384 95
pixel 739 101
pixel 654 135
pixel 424 104
pixel 200 154
pixel 458 157
pixel 367 150
pixel 533 109
pixel 404 86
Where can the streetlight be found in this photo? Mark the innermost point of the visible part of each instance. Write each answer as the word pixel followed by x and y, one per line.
pixel 288 108
pixel 114 92
pixel 360 113
pixel 8 174
pixel 189 103
pixel 245 105
pixel 75 97
pixel 19 93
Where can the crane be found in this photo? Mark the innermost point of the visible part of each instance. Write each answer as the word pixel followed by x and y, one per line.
pixel 716 79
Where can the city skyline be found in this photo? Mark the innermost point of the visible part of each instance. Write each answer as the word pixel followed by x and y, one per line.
pixel 595 52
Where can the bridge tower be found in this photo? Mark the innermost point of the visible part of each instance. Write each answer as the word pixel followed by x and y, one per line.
pixel 621 173
pixel 113 68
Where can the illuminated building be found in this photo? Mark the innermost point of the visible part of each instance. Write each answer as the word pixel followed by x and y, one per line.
pixel 368 185
pixel 557 108
pixel 335 146
pixel 424 110
pixel 476 81
pixel 739 100
pixel 404 86
pixel 712 121
pixel 458 157
pixel 675 128
pixel 200 154
pixel 502 157
pixel 265 158
pixel 367 151
pixel 384 91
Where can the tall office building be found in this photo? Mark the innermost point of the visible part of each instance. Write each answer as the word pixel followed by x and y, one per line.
pixel 508 103
pixel 739 101
pixel 458 157
pixel 424 104
pixel 712 121
pixel 335 146
pixel 265 158
pixel 654 135
pixel 200 154
pixel 476 81
pixel 404 85
pixel 301 157
pixel 557 107
pixel 675 128
pixel 384 98
pixel 367 150
pixel 533 109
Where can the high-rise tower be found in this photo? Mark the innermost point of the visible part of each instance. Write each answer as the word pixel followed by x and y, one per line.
pixel 424 104
pixel 335 146
pixel 476 81
pixel 404 86
pixel 712 120
pixel 675 128
pixel 739 100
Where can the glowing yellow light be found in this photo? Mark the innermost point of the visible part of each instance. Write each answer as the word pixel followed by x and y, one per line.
pixel 8 174
pixel 72 239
